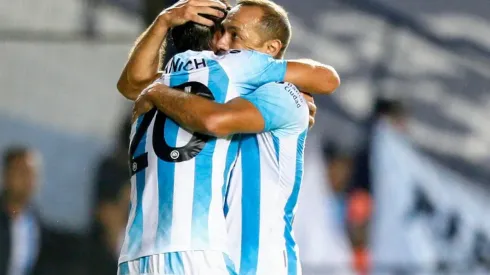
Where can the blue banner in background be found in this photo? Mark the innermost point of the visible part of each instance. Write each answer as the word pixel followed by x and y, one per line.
pixel 427 220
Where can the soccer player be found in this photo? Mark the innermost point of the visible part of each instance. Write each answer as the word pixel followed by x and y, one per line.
pixel 261 210
pixel 181 225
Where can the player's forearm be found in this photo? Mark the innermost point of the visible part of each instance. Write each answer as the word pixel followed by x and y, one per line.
pixel 193 112
pixel 142 67
pixel 312 76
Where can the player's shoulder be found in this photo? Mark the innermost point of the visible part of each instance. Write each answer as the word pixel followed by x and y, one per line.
pixel 286 86
pixel 195 54
pixel 245 56
pixel 286 89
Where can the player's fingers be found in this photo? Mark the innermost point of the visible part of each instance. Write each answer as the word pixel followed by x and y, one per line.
pixel 201 20
pixel 312 108
pixel 134 116
pixel 208 3
pixel 311 122
pixel 210 11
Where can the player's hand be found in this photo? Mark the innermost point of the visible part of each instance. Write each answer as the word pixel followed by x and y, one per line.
pixel 191 10
pixel 142 105
pixel 311 106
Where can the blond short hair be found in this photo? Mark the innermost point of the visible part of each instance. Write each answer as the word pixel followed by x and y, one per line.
pixel 274 22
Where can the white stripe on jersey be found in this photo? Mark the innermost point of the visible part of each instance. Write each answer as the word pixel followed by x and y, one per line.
pixel 150 205
pixel 217 224
pixel 274 192
pixel 184 179
pixel 234 218
pixel 287 162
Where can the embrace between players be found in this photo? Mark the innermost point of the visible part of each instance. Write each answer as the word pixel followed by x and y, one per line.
pixel 217 143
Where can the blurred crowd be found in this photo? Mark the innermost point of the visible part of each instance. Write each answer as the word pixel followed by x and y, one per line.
pixel 29 246
pixel 348 195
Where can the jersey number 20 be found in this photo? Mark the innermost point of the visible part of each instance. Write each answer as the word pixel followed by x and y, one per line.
pixel 162 149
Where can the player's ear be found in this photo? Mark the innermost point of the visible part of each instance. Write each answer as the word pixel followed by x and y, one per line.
pixel 273 47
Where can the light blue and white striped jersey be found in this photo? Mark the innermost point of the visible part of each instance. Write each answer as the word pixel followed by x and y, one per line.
pixel 264 186
pixel 179 178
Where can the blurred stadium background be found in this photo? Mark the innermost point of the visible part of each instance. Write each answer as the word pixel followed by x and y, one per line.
pixel 397 165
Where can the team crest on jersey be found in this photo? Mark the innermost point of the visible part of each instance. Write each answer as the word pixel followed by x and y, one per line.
pixel 174 154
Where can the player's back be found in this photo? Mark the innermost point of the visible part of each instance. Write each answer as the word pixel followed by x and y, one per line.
pixel 263 191
pixel 178 177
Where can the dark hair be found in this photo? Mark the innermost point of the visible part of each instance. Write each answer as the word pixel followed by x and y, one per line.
pixel 389 107
pixel 124 132
pixel 13 153
pixel 332 150
pixel 194 36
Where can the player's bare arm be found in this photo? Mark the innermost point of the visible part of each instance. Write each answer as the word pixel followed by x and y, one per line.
pixel 199 114
pixel 312 76
pixel 142 67
pixel 205 116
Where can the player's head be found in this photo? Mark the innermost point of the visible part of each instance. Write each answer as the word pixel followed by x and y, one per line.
pixel 20 169
pixel 196 37
pixel 260 25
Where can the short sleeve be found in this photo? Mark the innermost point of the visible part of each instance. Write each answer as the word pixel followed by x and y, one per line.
pixel 253 69
pixel 283 108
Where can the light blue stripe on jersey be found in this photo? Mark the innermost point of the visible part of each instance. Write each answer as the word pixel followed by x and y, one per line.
pixel 136 229
pixel 173 263
pixel 276 142
pixel 123 269
pixel 202 195
pixel 218 81
pixel 144 266
pixel 230 266
pixel 291 203
pixel 166 176
pixel 250 203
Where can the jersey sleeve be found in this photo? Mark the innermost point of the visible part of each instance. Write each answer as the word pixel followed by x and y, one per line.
pixel 253 69
pixel 283 108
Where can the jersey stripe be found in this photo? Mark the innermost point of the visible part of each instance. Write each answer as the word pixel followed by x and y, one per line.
pixel 166 176
pixel 149 205
pixel 202 195
pixel 277 146
pixel 184 178
pixel 291 248
pixel 250 211
pixel 219 80
pixel 136 230
pixel 231 157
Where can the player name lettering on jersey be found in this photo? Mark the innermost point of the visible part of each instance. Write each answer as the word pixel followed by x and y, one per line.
pixel 178 65
pixel 293 91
